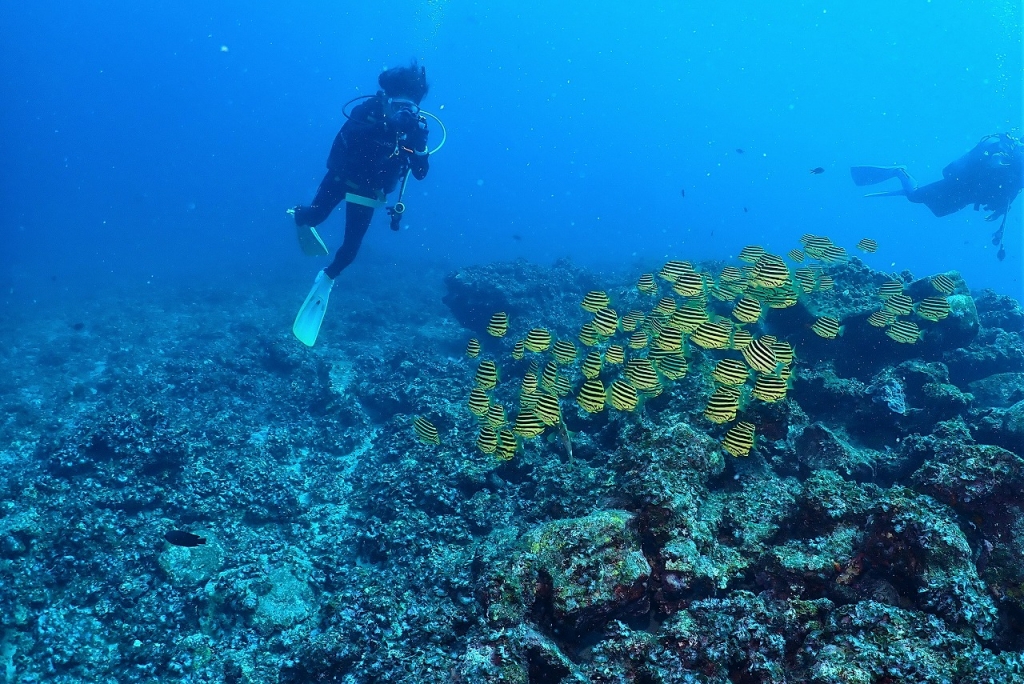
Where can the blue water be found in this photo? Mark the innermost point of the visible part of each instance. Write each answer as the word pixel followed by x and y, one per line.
pixel 163 141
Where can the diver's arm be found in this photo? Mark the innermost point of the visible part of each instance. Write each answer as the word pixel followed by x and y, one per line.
pixel 416 148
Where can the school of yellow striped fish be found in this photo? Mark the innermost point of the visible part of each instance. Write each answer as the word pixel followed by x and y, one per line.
pixel 620 359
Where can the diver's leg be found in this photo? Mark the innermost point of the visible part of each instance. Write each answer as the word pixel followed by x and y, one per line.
pixel 872 175
pixel 357 220
pixel 329 195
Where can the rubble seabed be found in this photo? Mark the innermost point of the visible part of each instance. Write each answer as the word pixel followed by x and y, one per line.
pixel 875 534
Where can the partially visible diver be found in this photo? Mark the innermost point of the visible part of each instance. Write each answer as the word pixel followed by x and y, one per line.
pixel 382 141
pixel 990 177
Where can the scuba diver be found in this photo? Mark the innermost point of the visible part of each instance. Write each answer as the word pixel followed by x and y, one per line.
pixel 382 142
pixel 990 177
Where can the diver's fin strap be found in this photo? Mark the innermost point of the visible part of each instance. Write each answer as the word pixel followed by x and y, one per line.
pixel 374 203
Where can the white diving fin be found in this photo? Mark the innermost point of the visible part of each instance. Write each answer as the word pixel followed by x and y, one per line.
pixel 311 315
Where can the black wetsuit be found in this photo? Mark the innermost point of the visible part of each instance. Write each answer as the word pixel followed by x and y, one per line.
pixel 370 155
pixel 990 177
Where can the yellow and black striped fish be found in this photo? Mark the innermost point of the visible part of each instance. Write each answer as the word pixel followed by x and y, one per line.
pixel 730 372
pixel 905 332
pixel 564 352
pixel 638 340
pixel 614 355
pixel 712 335
pixel 760 355
pixel 868 245
pixel 739 339
pixel 689 284
pixel 653 325
pixel 478 402
pixel 723 404
pixel 810 238
pixel 722 293
pixel 487 440
pixel 784 352
pixel 825 282
pixel 595 300
pixel 806 279
pixel 562 385
pixel 826 327
pixel 641 374
pixel 670 339
pixel 496 416
pixel 631 320
pixel 498 325
pixel 890 288
pixel 880 319
pixel 519 350
pixel 769 388
pixel 547 409
pixel 739 439
pixel 529 384
pixel 747 310
pixel 666 305
pixel 591 396
pixel 528 424
pixel 796 255
pixel 591 366
pixel 538 340
pixel 606 321
pixel 646 284
pixel 487 375
pixel 506 445
pixel 943 284
pixel 425 431
pixel 833 254
pixel 933 308
pixel 731 274
pixel 672 365
pixel 899 304
pixel 473 348
pixel 673 269
pixel 751 253
pixel 770 271
pixel 548 375
pixel 588 334
pixel 688 318
pixel 622 396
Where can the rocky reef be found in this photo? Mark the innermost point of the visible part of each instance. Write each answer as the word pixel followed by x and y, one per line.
pixel 875 534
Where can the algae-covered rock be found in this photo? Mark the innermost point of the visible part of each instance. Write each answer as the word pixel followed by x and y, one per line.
pixel 190 567
pixel 590 569
pixel 284 601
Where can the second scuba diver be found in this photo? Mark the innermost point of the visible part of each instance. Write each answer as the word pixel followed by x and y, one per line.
pixel 383 140
pixel 990 177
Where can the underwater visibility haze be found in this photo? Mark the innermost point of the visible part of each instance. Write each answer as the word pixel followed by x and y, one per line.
pixel 639 387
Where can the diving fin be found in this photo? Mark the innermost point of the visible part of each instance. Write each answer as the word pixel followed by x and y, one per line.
pixel 310 242
pixel 887 193
pixel 872 175
pixel 311 315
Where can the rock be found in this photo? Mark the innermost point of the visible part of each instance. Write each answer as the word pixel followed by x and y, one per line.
pixel 590 570
pixel 286 601
pixel 999 311
pixel 528 293
pixel 994 351
pixel 819 448
pixel 190 567
pixel 999 390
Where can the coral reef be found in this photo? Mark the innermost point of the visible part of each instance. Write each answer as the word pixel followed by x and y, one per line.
pixel 874 534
